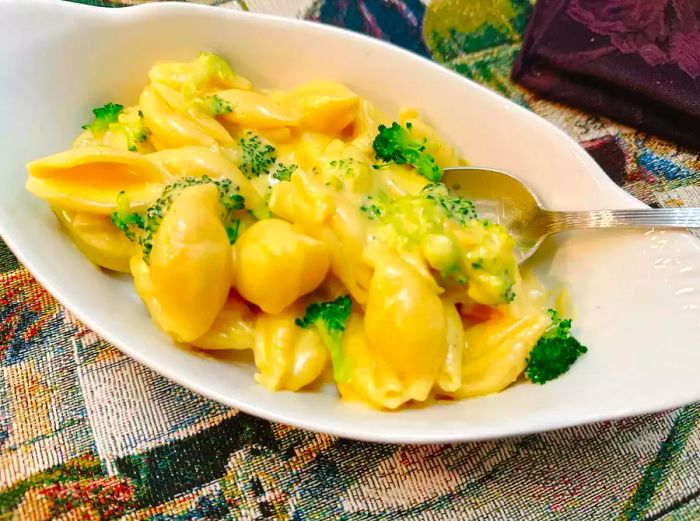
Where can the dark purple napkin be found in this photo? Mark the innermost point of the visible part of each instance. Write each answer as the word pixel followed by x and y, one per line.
pixel 635 61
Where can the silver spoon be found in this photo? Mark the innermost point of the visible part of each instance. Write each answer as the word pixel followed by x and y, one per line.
pixel 502 198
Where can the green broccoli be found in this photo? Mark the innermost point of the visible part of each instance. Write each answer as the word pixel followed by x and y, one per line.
pixel 136 132
pixel 508 293
pixel 123 218
pixel 214 105
pixel 330 319
pixel 232 202
pixel 107 118
pixel 394 144
pixel 371 210
pixel 456 207
pixel 103 117
pixel 420 214
pixel 554 352
pixel 375 207
pixel 233 230
pixel 284 172
pixel 256 157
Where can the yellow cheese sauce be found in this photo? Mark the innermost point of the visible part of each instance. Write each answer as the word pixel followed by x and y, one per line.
pixel 238 210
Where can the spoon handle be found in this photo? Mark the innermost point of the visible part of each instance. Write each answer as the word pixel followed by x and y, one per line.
pixel 645 217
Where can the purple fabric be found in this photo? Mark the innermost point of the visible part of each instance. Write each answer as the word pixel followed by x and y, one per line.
pixel 635 61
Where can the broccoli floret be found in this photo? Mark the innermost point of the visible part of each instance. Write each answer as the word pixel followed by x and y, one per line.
pixel 124 219
pixel 136 132
pixel 370 209
pixel 554 352
pixel 375 207
pixel 284 172
pixel 416 215
pixel 330 319
pixel 214 105
pixel 509 293
pixel 107 118
pixel 232 203
pixel 395 145
pixel 458 208
pixel 256 157
pixel 103 117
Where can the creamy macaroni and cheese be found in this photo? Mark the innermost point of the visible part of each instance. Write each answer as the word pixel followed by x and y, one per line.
pixel 304 225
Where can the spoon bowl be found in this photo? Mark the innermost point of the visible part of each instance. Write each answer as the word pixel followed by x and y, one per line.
pixel 501 198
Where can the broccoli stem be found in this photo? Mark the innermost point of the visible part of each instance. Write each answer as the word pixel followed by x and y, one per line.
pixel 334 344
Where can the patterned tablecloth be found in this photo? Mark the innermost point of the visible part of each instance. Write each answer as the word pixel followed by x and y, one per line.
pixel 87 433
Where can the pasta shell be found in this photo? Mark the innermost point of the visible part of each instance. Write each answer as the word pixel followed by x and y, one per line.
pixel 276 264
pixel 190 270
pixel 405 319
pixel 287 356
pixel 169 128
pixel 496 352
pixel 233 327
pixel 89 179
pixel 98 239
pixel 179 105
pixel 258 111
pixel 325 106
pixel 372 380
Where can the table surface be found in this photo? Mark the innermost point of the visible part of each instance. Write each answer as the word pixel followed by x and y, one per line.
pixel 87 433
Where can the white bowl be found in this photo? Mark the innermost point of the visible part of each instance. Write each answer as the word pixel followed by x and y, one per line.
pixel 637 294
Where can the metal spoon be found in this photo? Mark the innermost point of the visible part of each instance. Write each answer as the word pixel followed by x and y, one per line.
pixel 502 198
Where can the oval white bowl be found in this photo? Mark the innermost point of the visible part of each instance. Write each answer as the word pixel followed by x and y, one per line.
pixel 637 294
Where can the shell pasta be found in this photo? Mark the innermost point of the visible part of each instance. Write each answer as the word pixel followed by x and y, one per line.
pixel 304 225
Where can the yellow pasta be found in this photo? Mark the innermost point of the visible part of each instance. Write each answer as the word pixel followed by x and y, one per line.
pixel 326 107
pixel 195 111
pixel 98 239
pixel 207 73
pixel 404 318
pixel 365 126
pixel 275 264
pixel 450 375
pixel 89 179
pixel 170 128
pixel 256 110
pixel 495 350
pixel 233 327
pixel 374 381
pixel 287 356
pixel 279 221
pixel 190 264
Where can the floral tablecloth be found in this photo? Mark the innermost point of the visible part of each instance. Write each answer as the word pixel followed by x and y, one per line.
pixel 87 433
